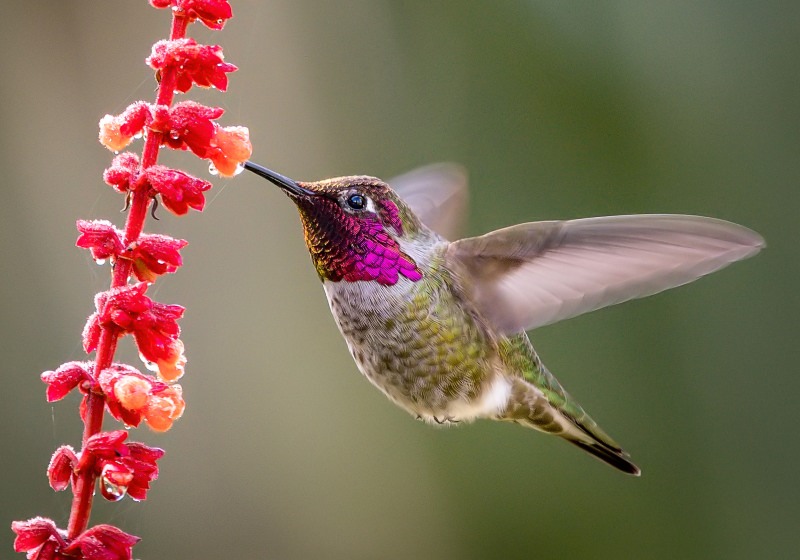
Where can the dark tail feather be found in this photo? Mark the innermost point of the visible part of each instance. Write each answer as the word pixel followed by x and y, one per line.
pixel 617 458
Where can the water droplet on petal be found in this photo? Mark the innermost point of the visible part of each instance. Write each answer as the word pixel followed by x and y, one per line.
pixel 138 135
pixel 101 262
pixel 152 366
pixel 212 169
pixel 111 491
pixel 239 169
pixel 174 134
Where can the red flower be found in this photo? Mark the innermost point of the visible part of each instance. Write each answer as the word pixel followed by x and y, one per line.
pixel 132 392
pixel 154 325
pixel 123 173
pixel 164 406
pixel 42 540
pixel 65 378
pixel 116 132
pixel 141 463
pixel 163 354
pixel 213 13
pixel 187 125
pixel 39 537
pixel 179 191
pixel 101 238
pixel 123 468
pixel 127 392
pixel 230 148
pixel 102 542
pixel 71 375
pixel 132 396
pixel 200 64
pixel 190 125
pixel 103 445
pixel 62 468
pixel 154 255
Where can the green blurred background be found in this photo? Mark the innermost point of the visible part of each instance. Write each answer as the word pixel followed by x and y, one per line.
pixel 559 110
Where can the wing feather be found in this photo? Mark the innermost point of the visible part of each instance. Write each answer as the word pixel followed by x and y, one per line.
pixel 437 194
pixel 535 274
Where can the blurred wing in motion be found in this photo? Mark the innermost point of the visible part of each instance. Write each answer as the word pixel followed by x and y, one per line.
pixel 535 274
pixel 437 194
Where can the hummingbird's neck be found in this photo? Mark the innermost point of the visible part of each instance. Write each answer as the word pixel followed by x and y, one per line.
pixel 355 249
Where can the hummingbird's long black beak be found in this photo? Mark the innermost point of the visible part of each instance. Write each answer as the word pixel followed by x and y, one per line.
pixel 285 183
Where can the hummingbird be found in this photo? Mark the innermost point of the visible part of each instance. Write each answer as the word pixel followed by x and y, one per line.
pixel 440 327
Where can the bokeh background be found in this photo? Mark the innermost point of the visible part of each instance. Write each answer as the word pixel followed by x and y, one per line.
pixel 558 110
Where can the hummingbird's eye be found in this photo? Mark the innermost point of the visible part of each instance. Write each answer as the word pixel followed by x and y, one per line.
pixel 356 201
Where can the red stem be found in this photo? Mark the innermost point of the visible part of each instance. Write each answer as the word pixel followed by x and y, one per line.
pixel 107 346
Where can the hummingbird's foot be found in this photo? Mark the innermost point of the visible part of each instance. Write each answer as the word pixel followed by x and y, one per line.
pixel 445 420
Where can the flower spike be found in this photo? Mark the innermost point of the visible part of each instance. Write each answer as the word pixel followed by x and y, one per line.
pixel 107 459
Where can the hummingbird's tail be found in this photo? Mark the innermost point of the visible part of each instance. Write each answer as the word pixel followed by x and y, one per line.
pixel 614 456
pixel 550 409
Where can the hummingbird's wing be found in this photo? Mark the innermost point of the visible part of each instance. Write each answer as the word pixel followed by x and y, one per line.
pixel 534 274
pixel 437 194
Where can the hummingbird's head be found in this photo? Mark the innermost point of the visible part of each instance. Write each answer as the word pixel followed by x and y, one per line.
pixel 353 227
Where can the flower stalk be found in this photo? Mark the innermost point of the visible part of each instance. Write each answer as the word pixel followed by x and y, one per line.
pixel 131 397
